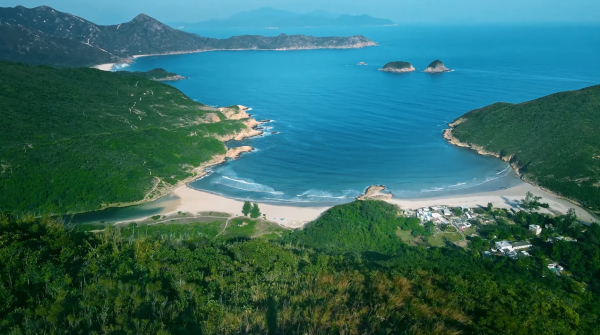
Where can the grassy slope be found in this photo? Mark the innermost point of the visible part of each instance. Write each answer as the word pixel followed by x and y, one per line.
pixel 554 140
pixel 71 143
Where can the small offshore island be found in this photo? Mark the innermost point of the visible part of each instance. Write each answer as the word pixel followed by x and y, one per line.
pixel 436 67
pixel 398 67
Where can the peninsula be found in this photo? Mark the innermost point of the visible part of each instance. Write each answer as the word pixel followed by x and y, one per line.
pixel 43 35
pixel 436 67
pixel 77 140
pixel 551 142
pixel 398 67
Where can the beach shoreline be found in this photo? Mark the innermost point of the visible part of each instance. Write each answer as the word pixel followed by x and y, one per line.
pixel 195 201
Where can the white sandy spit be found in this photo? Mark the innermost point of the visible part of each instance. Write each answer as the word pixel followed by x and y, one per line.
pixel 194 201
pixel 104 67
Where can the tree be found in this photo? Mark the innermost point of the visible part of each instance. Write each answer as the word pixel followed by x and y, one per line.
pixel 490 207
pixel 255 212
pixel 457 211
pixel 531 201
pixel 247 208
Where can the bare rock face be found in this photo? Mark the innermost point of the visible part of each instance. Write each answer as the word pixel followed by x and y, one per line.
pixel 375 193
pixel 234 153
pixel 436 67
pixel 235 113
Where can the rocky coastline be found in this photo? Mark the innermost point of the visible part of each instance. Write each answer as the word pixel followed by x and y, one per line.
pixel 448 136
pixel 238 112
pixel 171 78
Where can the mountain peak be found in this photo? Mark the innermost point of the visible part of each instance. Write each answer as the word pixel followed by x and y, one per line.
pixel 143 18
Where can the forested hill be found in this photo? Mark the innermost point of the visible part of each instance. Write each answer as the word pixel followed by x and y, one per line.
pixel 554 141
pixel 183 279
pixel 43 35
pixel 74 139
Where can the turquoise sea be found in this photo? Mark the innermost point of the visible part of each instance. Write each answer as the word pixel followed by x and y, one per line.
pixel 342 127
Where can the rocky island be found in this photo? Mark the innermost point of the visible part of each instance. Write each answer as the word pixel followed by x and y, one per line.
pixel 436 67
pixel 398 67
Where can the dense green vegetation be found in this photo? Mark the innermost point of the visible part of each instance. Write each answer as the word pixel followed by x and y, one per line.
pixel 553 140
pixel 180 279
pixel 74 139
pixel 397 66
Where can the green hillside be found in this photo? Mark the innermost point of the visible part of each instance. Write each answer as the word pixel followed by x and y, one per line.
pixel 553 140
pixel 74 139
pixel 182 279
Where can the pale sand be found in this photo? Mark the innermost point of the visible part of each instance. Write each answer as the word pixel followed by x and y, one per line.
pixel 509 198
pixel 194 201
pixel 104 67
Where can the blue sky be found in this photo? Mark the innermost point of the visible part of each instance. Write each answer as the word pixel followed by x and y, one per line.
pixel 401 11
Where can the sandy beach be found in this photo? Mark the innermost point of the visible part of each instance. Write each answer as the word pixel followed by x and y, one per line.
pixel 104 67
pixel 195 201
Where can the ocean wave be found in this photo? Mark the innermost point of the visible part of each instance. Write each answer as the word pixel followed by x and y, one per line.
pixel 435 189
pixel 507 167
pixel 457 185
pixel 315 193
pixel 245 185
pixel 249 109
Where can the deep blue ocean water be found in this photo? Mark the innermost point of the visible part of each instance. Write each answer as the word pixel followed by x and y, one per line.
pixel 342 127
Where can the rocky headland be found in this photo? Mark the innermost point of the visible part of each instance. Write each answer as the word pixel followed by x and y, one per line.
pixel 234 153
pixel 436 67
pixel 398 67
pixel 375 192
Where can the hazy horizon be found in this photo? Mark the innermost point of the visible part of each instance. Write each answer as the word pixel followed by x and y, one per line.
pixel 402 12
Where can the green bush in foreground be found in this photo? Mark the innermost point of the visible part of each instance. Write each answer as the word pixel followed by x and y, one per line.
pixel 122 281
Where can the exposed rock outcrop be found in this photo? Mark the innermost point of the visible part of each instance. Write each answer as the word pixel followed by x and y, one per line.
pixel 436 67
pixel 234 153
pixel 171 78
pixel 375 193
pixel 398 67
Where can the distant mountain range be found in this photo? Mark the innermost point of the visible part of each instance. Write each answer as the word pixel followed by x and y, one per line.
pixel 270 17
pixel 43 35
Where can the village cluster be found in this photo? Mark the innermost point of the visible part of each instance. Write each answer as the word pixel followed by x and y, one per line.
pixel 462 218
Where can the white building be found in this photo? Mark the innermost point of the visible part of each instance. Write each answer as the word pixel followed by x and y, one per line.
pixel 447 212
pixel 521 245
pixel 504 246
pixel 537 230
